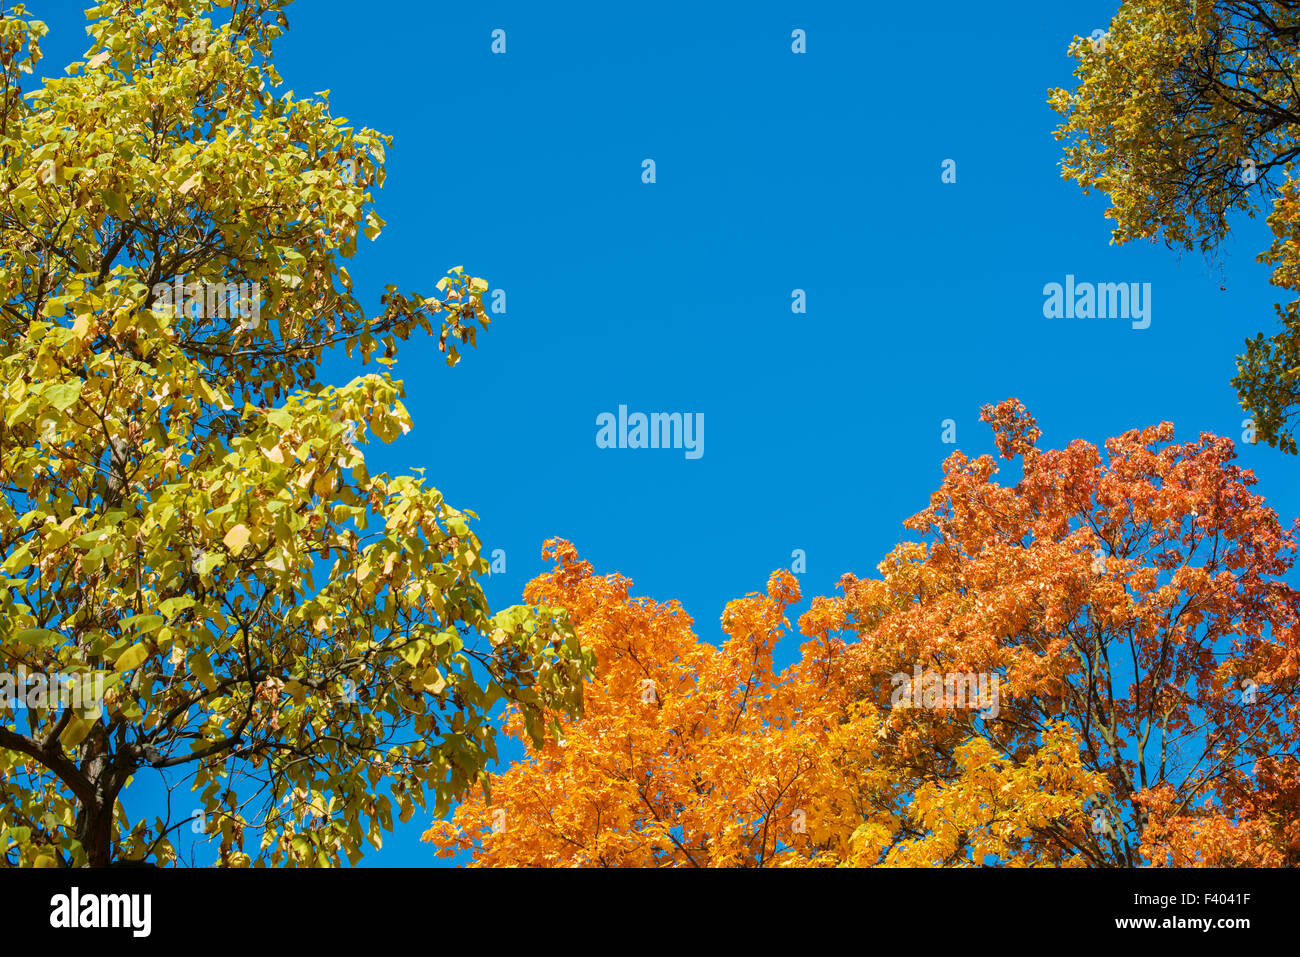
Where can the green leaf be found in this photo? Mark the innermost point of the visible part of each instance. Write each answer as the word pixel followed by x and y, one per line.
pixel 133 657
pixel 21 558
pixel 171 606
pixel 38 637
pixel 202 668
pixel 64 395
pixel 75 731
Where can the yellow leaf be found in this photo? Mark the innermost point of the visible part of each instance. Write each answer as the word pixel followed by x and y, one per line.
pixel 202 668
pixel 236 538
pixel 75 732
pixel 133 657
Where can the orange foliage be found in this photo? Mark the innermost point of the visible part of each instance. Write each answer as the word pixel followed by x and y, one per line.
pixel 1137 655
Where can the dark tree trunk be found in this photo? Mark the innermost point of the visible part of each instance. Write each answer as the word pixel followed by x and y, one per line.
pixel 106 775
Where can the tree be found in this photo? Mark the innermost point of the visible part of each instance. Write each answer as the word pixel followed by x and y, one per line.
pixel 687 754
pixel 1183 114
pixel 187 522
pixel 1095 666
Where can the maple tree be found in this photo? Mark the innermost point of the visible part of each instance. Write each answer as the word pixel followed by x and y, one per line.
pixel 1185 112
pixel 186 514
pixel 1133 609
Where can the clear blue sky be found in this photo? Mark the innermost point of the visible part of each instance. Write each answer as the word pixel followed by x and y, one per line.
pixel 775 171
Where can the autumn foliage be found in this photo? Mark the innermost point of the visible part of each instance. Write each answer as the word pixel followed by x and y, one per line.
pixel 1185 115
pixel 296 649
pixel 1130 605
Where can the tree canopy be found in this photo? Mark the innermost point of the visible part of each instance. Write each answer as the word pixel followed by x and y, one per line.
pixel 1136 650
pixel 1184 113
pixel 187 521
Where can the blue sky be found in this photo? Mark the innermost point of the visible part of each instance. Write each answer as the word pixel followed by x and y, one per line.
pixel 775 171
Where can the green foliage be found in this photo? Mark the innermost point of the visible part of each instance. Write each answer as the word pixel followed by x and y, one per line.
pixel 1185 115
pixel 186 513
